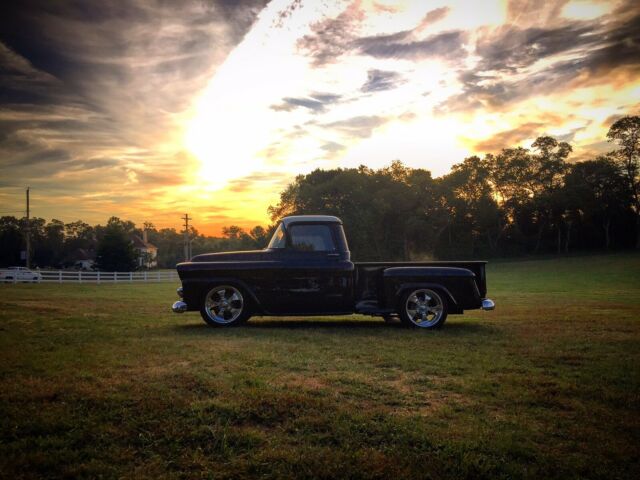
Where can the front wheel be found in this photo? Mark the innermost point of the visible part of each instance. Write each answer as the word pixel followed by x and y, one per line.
pixel 224 306
pixel 423 308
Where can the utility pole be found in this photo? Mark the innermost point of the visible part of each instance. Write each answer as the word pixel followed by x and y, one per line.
pixel 187 241
pixel 28 235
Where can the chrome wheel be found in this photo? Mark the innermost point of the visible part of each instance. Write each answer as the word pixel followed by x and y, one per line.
pixel 424 308
pixel 224 304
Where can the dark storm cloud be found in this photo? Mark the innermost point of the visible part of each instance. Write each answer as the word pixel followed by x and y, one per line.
pixel 379 80
pixel 592 51
pixel 316 102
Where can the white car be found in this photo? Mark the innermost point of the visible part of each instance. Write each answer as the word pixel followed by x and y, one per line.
pixel 19 274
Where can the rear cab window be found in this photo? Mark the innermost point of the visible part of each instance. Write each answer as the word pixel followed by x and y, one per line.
pixel 311 237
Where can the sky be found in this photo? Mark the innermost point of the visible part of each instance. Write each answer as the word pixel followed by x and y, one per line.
pixel 147 109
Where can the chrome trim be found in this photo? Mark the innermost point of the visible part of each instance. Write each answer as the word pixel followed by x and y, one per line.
pixel 179 307
pixel 487 304
pixel 180 292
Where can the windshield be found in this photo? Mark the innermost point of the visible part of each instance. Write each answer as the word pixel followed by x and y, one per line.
pixel 278 240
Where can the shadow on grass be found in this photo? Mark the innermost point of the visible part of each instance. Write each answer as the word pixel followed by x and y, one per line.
pixel 453 328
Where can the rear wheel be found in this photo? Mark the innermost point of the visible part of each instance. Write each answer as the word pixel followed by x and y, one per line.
pixel 423 308
pixel 224 306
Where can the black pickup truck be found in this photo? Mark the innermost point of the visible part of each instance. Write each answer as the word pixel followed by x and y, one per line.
pixel 306 270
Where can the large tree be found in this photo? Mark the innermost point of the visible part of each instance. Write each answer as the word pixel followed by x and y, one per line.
pixel 626 134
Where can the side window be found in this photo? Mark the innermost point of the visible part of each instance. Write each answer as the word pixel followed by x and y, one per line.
pixel 278 240
pixel 311 238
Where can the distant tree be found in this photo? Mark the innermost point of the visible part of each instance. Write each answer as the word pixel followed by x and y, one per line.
pixel 11 241
pixel 170 246
pixel 596 191
pixel 115 250
pixel 546 180
pixel 259 236
pixel 469 190
pixel 626 134
pixel 50 249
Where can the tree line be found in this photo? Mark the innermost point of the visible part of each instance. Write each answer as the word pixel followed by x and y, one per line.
pixel 519 201
pixel 57 244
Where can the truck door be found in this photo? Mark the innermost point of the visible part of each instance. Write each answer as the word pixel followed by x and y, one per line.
pixel 315 277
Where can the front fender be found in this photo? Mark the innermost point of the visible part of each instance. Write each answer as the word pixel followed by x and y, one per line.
pixel 194 290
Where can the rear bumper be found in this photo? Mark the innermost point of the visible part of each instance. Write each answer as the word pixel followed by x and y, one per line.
pixel 488 304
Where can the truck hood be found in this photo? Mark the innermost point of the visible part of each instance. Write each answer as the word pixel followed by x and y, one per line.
pixel 246 256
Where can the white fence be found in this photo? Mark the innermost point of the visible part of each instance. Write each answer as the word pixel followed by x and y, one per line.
pixel 78 276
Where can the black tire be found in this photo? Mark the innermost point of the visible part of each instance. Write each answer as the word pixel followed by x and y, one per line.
pixel 231 309
pixel 423 308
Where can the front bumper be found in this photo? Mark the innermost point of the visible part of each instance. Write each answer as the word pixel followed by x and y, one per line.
pixel 179 307
pixel 488 304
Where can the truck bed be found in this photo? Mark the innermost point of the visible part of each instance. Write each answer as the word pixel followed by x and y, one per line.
pixel 368 279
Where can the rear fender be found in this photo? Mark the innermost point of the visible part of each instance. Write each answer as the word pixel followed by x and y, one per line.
pixel 457 284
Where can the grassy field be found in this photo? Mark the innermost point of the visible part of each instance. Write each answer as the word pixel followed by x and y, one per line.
pixel 105 381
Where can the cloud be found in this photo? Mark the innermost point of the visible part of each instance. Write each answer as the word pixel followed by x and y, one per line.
pixel 258 180
pixel 447 45
pixel 576 54
pixel 316 102
pixel 434 16
pixel 510 137
pixel 358 127
pixel 379 80
pixel 332 37
pixel 512 48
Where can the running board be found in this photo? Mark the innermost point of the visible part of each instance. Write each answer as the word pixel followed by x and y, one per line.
pixel 371 307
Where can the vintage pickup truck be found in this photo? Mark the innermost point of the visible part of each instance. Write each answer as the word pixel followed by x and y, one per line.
pixel 306 270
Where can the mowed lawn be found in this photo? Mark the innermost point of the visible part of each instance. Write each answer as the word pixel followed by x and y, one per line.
pixel 102 380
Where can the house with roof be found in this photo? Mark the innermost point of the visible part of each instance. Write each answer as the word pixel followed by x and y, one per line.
pixel 147 252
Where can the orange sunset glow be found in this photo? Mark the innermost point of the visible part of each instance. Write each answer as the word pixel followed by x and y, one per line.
pixel 149 111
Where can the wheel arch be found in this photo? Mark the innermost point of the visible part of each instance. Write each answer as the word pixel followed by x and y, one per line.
pixel 404 287
pixel 196 291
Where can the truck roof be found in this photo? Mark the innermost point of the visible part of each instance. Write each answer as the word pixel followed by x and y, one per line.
pixel 309 218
